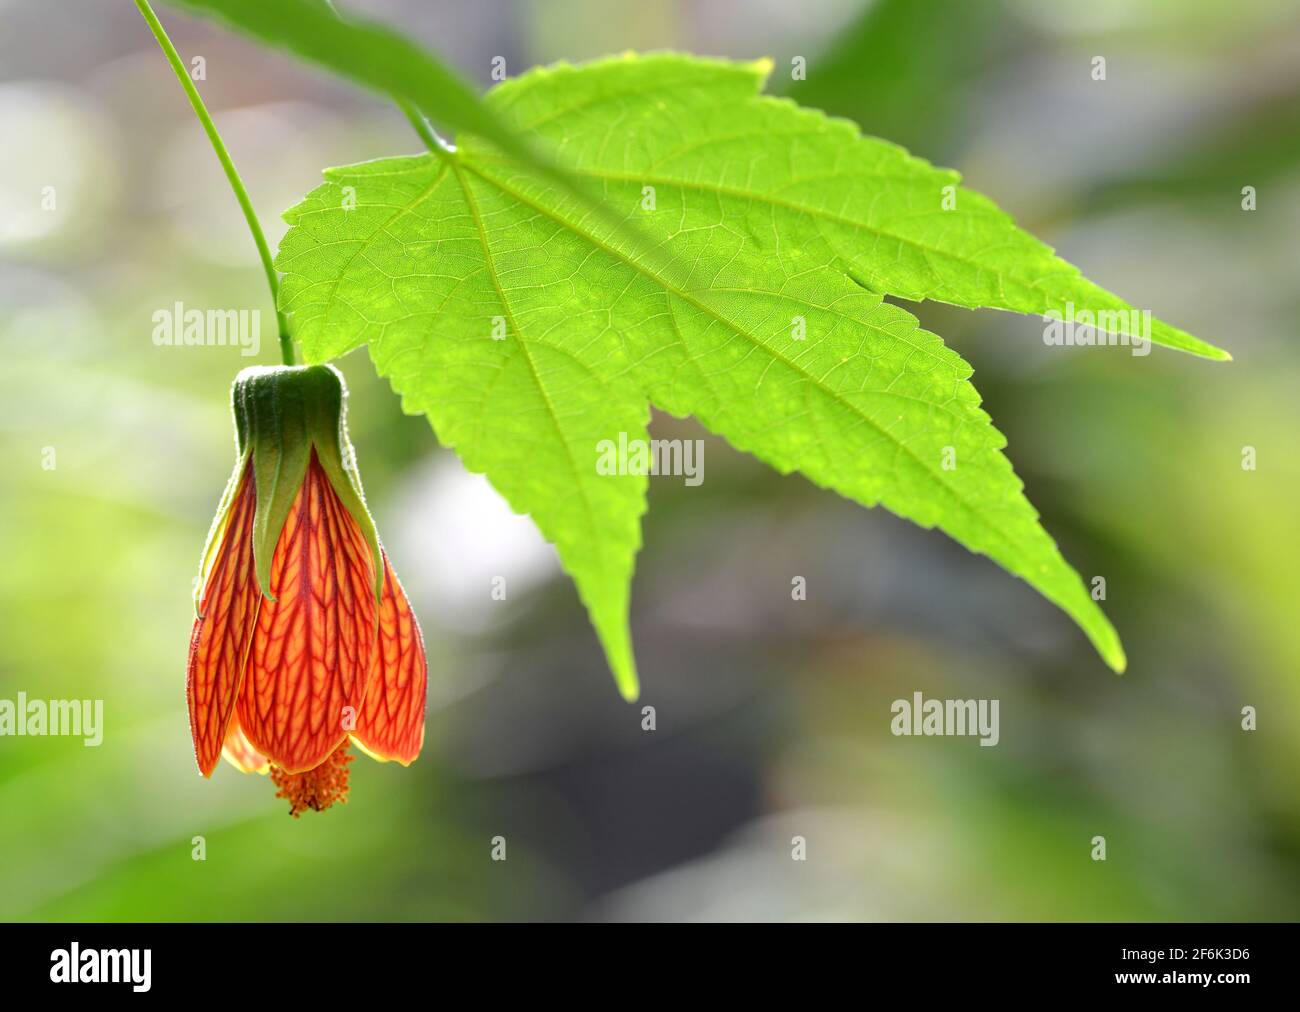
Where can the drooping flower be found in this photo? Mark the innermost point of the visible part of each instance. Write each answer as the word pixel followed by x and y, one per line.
pixel 303 639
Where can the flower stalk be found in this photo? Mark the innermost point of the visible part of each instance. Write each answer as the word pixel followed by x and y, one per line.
pixel 232 174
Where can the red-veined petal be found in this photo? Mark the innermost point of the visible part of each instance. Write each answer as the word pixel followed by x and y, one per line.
pixel 240 754
pixel 310 663
pixel 391 724
pixel 223 630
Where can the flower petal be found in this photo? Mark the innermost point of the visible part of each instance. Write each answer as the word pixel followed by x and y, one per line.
pixel 240 754
pixel 310 664
pixel 223 630
pixel 391 724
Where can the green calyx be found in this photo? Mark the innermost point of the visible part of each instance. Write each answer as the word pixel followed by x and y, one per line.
pixel 281 414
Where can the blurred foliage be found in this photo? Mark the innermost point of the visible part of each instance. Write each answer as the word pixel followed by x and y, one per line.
pixel 904 69
pixel 772 716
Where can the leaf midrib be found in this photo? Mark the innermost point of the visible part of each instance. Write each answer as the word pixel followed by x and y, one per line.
pixel 717 189
pixel 472 205
pixel 1173 337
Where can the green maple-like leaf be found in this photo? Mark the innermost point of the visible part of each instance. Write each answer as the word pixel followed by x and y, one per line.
pixel 751 297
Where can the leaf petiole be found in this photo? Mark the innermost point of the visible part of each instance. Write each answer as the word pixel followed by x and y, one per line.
pixel 421 126
pixel 423 129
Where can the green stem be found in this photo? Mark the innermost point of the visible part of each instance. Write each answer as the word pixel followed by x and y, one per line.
pixel 426 132
pixel 421 126
pixel 223 156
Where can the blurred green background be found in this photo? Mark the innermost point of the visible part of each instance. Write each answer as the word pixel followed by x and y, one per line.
pixel 772 715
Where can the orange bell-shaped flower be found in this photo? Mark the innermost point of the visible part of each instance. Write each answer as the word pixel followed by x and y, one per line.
pixel 303 639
